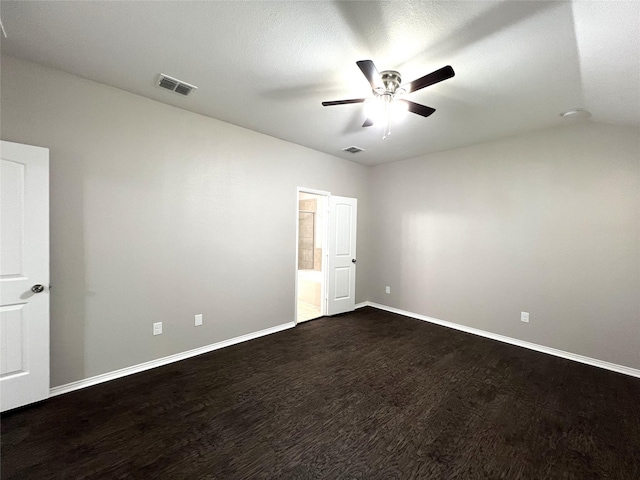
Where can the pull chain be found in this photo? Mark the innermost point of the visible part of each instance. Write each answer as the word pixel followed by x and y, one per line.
pixel 387 114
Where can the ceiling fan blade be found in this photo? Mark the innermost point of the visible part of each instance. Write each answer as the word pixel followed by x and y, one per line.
pixel 371 72
pixel 367 123
pixel 419 109
pixel 429 79
pixel 344 102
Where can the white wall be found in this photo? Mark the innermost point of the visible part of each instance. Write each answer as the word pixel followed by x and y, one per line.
pixel 158 214
pixel 547 222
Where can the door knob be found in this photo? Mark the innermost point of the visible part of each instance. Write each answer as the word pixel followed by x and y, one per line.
pixel 353 260
pixel 37 288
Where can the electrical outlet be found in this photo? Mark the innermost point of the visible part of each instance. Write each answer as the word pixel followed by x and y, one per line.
pixel 198 319
pixel 387 289
pixel 157 328
pixel 524 317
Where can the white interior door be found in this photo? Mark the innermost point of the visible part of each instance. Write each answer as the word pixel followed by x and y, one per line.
pixel 24 274
pixel 343 215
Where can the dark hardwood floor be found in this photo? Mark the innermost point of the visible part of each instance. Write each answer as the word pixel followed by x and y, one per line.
pixel 368 395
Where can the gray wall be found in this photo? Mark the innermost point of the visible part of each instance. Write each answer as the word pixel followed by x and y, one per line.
pixel 547 222
pixel 158 214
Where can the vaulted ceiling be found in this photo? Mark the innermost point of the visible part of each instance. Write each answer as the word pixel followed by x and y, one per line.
pixel 267 66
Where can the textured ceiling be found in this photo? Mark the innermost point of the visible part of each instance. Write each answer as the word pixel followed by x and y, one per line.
pixel 267 66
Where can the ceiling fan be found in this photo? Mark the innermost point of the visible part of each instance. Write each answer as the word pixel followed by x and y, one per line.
pixel 386 90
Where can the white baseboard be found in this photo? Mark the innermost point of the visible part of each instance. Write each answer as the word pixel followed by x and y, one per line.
pixel 123 372
pixel 513 341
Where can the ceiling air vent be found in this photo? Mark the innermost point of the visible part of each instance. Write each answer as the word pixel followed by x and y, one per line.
pixel 175 85
pixel 353 149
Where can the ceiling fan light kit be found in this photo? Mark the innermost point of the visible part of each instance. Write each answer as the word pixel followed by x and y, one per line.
pixel 387 91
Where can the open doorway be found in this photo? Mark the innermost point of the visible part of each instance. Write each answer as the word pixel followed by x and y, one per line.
pixel 311 255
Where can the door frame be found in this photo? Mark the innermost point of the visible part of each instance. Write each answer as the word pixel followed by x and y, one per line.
pixel 325 253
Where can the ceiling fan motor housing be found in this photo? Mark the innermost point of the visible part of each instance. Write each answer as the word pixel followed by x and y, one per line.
pixel 391 81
